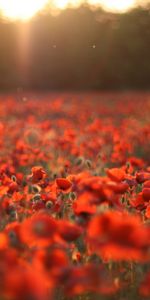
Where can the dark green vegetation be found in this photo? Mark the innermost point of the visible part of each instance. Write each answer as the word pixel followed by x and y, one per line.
pixel 78 49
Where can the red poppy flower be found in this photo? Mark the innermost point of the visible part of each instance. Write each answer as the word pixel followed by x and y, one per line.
pixel 26 283
pixel 88 278
pixel 146 194
pixel 37 174
pixel 38 229
pixel 137 201
pixel 118 236
pixel 68 231
pixel 142 176
pixel 85 204
pixel 13 233
pixel 3 241
pixel 3 190
pixel 116 174
pixel 63 183
pixel 54 261
pixel 119 187
pixel 13 187
pixel 147 213
pixel 146 184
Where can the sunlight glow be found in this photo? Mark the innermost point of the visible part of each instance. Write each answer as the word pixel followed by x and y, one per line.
pixel 117 5
pixel 21 9
pixel 61 4
pixel 25 9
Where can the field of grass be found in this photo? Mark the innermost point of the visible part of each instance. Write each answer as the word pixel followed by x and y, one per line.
pixel 75 196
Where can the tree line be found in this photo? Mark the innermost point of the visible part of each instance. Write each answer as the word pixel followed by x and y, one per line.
pixel 78 49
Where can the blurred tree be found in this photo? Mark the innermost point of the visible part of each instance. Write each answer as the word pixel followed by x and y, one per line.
pixel 77 49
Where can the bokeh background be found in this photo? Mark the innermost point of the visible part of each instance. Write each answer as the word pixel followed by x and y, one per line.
pixel 77 48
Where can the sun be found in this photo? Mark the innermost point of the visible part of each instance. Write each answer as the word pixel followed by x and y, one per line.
pixel 21 9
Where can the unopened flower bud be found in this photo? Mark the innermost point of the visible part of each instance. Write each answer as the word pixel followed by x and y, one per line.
pixel 36 188
pixel 80 161
pixel 13 216
pixel 72 196
pixel 49 204
pixel 37 198
pixel 13 177
pixel 88 163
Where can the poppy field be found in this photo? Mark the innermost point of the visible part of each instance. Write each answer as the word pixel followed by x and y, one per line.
pixel 75 196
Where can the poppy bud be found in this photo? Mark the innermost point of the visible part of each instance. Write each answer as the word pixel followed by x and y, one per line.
pixel 13 177
pixel 54 175
pixel 11 208
pixel 49 204
pixel 36 188
pixel 80 161
pixel 72 196
pixel 88 163
pixel 13 216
